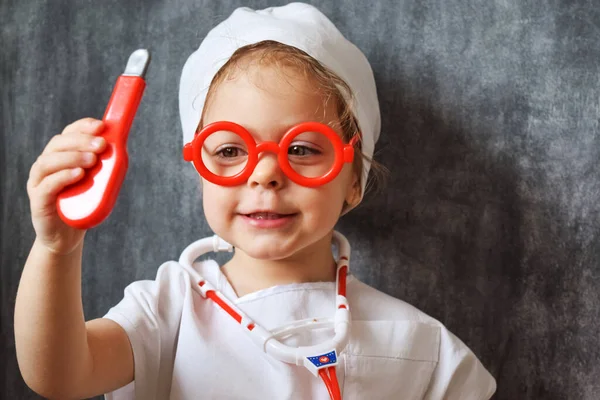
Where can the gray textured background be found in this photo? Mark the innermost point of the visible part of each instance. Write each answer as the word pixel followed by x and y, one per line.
pixel 490 128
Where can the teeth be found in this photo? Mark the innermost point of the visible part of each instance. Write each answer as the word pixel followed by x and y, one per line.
pixel 264 215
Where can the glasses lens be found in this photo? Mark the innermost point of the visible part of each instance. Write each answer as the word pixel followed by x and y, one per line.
pixel 224 153
pixel 311 154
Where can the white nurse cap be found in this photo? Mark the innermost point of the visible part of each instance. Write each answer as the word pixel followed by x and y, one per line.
pixel 299 25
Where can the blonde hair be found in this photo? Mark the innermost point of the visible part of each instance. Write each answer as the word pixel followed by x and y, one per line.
pixel 272 53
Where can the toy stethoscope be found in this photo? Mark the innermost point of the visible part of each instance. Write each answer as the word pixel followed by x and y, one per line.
pixel 320 359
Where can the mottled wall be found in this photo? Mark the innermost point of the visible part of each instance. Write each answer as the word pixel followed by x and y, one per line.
pixel 490 130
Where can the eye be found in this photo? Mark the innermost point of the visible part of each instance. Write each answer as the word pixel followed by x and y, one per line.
pixel 230 152
pixel 299 150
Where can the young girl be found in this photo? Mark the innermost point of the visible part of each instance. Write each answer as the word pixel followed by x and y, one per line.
pixel 280 118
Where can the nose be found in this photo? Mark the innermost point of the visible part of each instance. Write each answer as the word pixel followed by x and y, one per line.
pixel 267 172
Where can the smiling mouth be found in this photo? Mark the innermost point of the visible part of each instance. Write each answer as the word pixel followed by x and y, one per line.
pixel 266 215
pixel 268 220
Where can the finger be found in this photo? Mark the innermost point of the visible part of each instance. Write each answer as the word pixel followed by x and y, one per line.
pixel 51 163
pixel 88 126
pixel 44 195
pixel 75 142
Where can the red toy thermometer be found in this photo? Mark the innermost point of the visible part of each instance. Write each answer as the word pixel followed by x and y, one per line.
pixel 89 201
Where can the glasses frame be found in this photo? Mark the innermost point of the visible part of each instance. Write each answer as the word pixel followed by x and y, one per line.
pixel 344 153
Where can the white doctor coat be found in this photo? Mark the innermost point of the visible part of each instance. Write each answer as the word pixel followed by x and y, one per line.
pixel 186 347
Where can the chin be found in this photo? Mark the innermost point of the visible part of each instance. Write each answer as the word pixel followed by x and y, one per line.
pixel 264 254
pixel 268 246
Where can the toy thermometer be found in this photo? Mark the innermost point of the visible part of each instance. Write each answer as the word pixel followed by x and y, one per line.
pixel 89 201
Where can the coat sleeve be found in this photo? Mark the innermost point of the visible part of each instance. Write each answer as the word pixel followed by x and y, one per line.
pixel 150 314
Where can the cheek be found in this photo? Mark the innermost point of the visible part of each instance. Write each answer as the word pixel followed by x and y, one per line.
pixel 325 204
pixel 218 202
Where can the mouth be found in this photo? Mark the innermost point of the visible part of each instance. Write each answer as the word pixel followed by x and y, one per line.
pixel 266 215
pixel 268 219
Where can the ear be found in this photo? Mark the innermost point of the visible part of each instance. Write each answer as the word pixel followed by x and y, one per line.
pixel 352 195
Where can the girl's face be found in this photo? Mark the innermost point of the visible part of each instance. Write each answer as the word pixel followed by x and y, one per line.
pixel 270 217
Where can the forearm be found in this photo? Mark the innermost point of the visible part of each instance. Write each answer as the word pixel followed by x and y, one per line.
pixel 50 331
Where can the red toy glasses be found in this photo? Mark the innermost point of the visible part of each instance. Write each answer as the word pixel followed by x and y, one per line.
pixel 310 154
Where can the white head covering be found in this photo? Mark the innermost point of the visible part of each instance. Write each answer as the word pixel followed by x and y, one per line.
pixel 299 25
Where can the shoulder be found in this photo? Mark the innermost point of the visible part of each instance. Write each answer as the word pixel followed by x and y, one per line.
pixel 170 278
pixel 163 295
pixel 368 303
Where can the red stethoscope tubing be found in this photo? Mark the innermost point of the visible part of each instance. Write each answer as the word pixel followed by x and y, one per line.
pixel 331 383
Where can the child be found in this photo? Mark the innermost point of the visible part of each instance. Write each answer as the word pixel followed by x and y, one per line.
pixel 264 73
